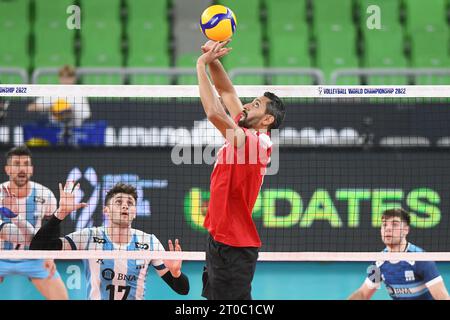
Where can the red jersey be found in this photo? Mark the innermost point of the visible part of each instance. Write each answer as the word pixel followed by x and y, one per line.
pixel 235 184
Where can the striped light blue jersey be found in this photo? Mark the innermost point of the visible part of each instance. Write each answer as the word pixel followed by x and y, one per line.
pixel 405 280
pixel 115 279
pixel 39 203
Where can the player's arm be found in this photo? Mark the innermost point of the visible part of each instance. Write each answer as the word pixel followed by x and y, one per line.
pixel 433 280
pixel 223 84
pixel 211 104
pixel 170 272
pixel 11 232
pixel 47 238
pixel 18 230
pixel 439 291
pixel 365 292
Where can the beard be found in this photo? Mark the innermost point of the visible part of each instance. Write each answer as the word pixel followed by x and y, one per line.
pixel 243 123
pixel 21 181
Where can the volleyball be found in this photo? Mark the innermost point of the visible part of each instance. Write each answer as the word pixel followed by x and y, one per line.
pixel 218 23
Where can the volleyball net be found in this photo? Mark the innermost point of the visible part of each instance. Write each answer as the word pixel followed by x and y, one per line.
pixel 343 156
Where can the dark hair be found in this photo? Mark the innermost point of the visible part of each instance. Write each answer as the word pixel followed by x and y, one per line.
pixel 121 188
pixel 275 108
pixel 401 213
pixel 18 151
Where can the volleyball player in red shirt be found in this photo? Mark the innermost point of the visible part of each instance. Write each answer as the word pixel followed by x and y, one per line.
pixel 233 241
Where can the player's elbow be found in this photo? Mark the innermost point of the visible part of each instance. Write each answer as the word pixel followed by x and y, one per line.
pixel 213 117
pixel 35 245
pixel 38 243
pixel 183 289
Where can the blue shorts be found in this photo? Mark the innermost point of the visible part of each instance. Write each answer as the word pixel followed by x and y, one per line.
pixel 33 269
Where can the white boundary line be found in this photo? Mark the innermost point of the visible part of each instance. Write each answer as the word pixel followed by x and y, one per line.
pixel 200 256
pixel 243 91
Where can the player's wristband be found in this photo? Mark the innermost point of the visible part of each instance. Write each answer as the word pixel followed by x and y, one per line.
pixel 5 212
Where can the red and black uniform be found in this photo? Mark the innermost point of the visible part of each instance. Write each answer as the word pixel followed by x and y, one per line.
pixel 233 241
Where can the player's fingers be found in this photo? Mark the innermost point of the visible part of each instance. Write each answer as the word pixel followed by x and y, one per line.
pixel 224 43
pixel 51 271
pixel 177 245
pixel 170 245
pixel 60 188
pixel 7 191
pixel 81 205
pixel 226 51
pixel 223 53
pixel 69 186
pixel 216 46
pixel 77 186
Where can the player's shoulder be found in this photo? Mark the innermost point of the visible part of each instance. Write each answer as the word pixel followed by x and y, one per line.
pixel 380 262
pixel 413 248
pixel 40 189
pixel 146 240
pixel 264 140
pixel 141 236
pixel 96 233
pixel 139 233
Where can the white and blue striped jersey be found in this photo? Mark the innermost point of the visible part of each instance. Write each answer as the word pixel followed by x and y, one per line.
pixel 39 203
pixel 115 279
pixel 405 280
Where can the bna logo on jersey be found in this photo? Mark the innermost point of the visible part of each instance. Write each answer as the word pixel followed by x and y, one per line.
pixel 108 274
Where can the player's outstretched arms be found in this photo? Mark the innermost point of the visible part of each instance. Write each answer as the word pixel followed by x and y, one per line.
pixel 172 274
pixel 211 104
pixel 363 293
pixel 223 84
pixel 47 238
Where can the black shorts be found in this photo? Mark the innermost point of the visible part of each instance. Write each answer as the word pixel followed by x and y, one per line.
pixel 229 271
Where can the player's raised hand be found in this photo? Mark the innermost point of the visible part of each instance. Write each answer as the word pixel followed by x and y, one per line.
pixel 214 50
pixel 67 202
pixel 209 45
pixel 9 203
pixel 174 266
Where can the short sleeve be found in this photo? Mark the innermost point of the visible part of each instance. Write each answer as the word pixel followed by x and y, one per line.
pixel 258 144
pixel 428 270
pixel 155 245
pixel 79 240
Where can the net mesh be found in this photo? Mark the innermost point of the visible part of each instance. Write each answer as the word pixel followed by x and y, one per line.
pixel 343 156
